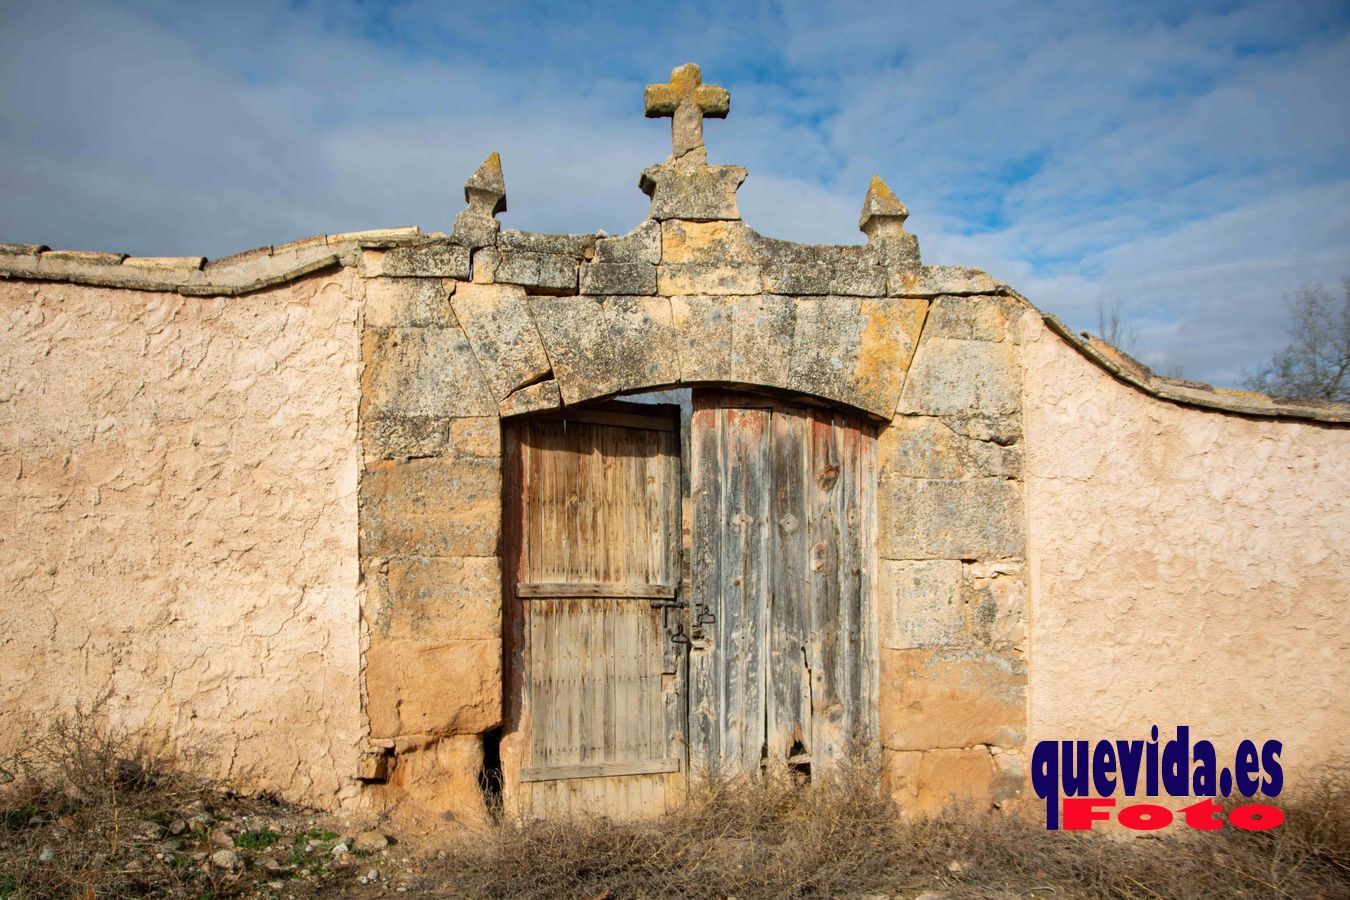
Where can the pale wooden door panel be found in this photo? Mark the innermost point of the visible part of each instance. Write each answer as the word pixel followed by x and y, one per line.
pixel 600 509
pixel 595 529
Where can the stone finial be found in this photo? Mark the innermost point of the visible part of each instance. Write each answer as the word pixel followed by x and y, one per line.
pixel 881 209
pixel 485 192
pixel 487 186
pixel 685 186
pixel 883 221
pixel 685 99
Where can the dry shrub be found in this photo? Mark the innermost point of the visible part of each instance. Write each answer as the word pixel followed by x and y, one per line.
pixel 775 837
pixel 88 810
pixel 79 804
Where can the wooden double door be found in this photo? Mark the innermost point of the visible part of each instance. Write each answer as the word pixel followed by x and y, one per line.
pixel 678 606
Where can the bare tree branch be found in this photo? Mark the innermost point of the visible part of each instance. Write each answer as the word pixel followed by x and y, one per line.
pixel 1316 362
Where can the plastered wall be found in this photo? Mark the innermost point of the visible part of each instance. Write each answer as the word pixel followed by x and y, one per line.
pixel 1187 566
pixel 178 501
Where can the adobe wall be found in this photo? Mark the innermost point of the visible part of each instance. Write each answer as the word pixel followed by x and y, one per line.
pixel 1188 567
pixel 178 482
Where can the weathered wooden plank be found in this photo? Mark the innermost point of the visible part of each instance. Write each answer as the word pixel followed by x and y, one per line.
pixel 661 421
pixel 825 530
pixel 852 559
pixel 788 697
pixel 870 728
pixel 545 590
pixel 705 577
pixel 744 584
pixel 599 770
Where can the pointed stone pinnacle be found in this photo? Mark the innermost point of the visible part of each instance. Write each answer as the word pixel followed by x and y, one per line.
pixel 488 183
pixel 881 205
pixel 485 192
pixel 883 221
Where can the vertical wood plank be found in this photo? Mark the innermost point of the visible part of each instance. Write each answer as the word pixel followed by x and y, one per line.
pixel 705 576
pixel 744 584
pixel 788 713
pixel 827 711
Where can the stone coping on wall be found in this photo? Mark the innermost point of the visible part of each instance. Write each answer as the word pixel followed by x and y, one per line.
pixel 196 276
pixel 1194 393
pixel 636 263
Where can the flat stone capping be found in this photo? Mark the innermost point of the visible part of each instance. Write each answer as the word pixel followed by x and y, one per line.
pixel 193 276
pixel 1191 393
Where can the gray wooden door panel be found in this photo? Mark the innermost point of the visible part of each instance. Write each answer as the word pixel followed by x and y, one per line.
pixel 785 667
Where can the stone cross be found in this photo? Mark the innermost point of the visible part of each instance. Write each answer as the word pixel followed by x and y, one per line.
pixel 686 100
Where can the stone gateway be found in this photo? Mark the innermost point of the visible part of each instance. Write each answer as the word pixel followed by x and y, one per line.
pixel 398 520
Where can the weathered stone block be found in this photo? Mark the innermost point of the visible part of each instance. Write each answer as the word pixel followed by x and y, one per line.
pixel 618 278
pixel 854 350
pixel 981 318
pixel 502 333
pixel 896 250
pixel 949 699
pixel 1003 429
pixel 707 278
pixel 435 782
pixel 858 279
pixel 477 436
pixel 531 398
pixel 920 603
pixel 395 302
pixel 698 193
pixel 929 281
pixel 412 372
pixel 710 243
pixel 924 784
pixel 1010 776
pixel 434 599
pixel 544 272
pixel 433 260
pixel 406 687
pixel 580 246
pixel 972 519
pixel 742 339
pixel 641 245
pixel 963 377
pixel 927 447
pixel 703 328
pixel 475 229
pixel 762 335
pixel 995 597
pixel 642 339
pixel 603 345
pixel 403 438
pixel 440 506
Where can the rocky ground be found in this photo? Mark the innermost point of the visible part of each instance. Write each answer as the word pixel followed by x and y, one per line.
pixel 217 845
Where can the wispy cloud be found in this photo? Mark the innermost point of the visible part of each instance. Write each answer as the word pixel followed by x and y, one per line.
pixel 1191 164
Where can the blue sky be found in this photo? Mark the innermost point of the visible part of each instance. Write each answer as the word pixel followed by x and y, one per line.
pixel 1190 163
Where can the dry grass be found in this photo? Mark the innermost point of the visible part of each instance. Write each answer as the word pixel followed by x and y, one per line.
pixel 85 812
pixel 88 812
pixel 839 838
